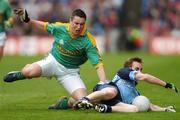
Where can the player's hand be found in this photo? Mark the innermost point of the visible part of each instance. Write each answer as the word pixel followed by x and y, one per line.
pixel 100 84
pixel 103 82
pixel 171 86
pixel 8 24
pixel 23 15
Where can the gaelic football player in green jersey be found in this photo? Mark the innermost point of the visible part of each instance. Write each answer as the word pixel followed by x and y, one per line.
pixel 6 21
pixel 73 45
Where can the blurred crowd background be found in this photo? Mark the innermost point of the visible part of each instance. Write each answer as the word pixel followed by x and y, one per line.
pixel 123 24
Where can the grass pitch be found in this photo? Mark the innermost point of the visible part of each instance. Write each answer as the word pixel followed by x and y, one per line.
pixel 29 99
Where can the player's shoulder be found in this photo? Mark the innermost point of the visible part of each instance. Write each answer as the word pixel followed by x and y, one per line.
pixel 5 2
pixel 126 73
pixel 125 70
pixel 91 38
pixel 60 24
pixel 89 35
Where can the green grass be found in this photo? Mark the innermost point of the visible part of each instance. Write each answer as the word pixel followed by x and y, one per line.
pixel 29 99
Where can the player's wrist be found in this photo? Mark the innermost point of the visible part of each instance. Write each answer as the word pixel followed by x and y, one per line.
pixel 168 85
pixel 8 24
pixel 103 82
pixel 171 86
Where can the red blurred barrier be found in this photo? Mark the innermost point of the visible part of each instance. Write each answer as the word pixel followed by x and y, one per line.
pixel 36 45
pixel 165 45
pixel 27 45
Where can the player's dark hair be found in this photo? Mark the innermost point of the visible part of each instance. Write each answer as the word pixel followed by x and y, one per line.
pixel 79 13
pixel 128 63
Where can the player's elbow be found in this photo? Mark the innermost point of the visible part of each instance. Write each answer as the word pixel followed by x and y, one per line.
pixel 143 77
pixel 147 77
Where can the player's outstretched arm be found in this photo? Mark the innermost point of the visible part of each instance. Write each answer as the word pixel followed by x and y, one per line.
pixel 154 80
pixel 101 74
pixel 24 17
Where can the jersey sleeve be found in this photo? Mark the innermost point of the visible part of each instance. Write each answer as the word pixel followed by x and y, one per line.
pixel 93 53
pixel 127 74
pixel 50 28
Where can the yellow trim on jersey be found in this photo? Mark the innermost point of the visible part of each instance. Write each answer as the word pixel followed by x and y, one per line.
pixel 68 28
pixel 61 24
pixel 84 30
pixel 45 25
pixel 56 24
pixel 91 38
pixel 98 65
pixel 67 25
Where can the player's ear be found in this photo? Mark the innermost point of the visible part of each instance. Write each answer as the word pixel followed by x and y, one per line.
pixel 71 19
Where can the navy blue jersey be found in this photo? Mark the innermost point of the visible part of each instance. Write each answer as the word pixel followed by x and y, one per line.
pixel 126 83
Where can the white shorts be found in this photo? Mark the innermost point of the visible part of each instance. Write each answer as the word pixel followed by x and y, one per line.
pixel 69 78
pixel 2 38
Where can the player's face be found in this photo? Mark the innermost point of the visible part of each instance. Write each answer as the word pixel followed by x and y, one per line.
pixel 137 66
pixel 77 25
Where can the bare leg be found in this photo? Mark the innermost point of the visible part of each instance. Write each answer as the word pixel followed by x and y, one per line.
pixel 157 108
pixel 104 94
pixel 29 71
pixel 77 94
pixel 95 97
pixel 123 107
pixel 32 70
pixel 120 107
pixel 65 103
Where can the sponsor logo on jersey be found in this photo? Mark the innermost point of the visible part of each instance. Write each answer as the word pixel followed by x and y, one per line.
pixel 61 42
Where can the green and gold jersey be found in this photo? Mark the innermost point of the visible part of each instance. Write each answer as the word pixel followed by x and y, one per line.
pixel 72 52
pixel 5 13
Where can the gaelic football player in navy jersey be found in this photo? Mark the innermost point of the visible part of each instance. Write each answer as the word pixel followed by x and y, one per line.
pixel 118 95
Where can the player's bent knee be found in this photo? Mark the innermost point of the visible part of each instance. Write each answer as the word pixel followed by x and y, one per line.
pixel 31 70
pixel 110 93
pixel 79 93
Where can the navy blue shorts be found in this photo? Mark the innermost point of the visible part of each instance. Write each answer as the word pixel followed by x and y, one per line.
pixel 113 101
